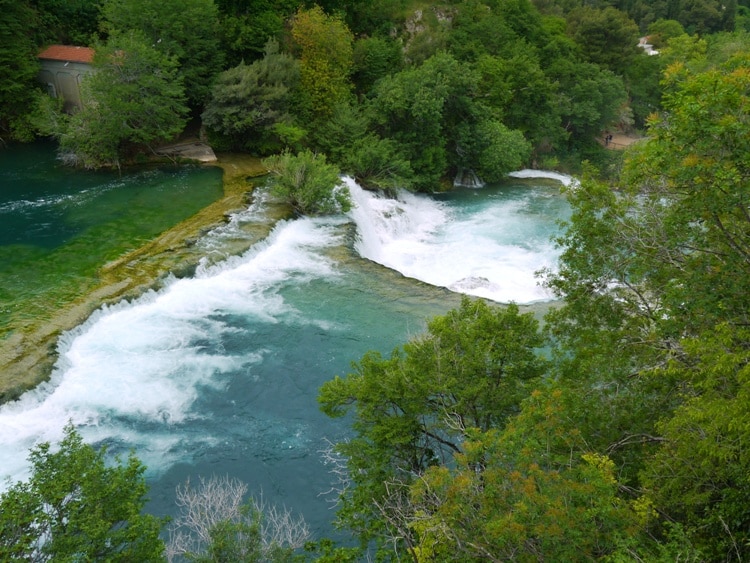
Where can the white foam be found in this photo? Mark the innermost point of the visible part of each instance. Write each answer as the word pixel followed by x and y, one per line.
pixel 146 361
pixel 529 173
pixel 490 254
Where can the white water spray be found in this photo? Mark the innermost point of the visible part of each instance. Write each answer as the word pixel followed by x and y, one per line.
pixel 143 364
pixel 492 252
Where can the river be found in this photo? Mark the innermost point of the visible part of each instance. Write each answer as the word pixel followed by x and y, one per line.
pixel 217 372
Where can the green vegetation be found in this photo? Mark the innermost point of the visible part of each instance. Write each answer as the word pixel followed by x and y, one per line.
pixel 627 443
pixel 393 92
pixel 76 507
pixel 307 182
pixel 183 31
pixel 250 104
pixel 626 439
pixel 137 102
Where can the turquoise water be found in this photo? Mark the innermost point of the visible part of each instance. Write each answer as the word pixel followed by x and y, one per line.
pixel 218 373
pixel 59 225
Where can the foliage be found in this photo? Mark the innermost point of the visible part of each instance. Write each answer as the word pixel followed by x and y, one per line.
pixel 374 58
pixel 518 88
pixel 654 277
pixel 661 31
pixel 607 37
pixel 67 22
pixel 335 136
pixel 699 476
pixel 369 17
pixel 19 67
pixel 134 97
pixel 216 524
pixel 246 27
pixel 589 97
pixel 247 101
pixel 642 82
pixel 492 150
pixel 530 492
pixel 77 507
pixel 307 182
pixel 412 410
pixel 420 110
pixel 325 47
pixel 478 30
pixel 183 30
pixel 695 170
pixel 376 163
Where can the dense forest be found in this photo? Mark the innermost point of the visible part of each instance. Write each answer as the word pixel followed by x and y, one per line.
pixel 393 92
pixel 615 430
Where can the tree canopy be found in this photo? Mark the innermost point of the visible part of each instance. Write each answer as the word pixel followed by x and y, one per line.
pixel 133 98
pixel 186 31
pixel 76 506
pixel 414 409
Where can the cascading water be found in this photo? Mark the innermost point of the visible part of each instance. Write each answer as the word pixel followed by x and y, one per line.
pixel 218 373
pixel 487 243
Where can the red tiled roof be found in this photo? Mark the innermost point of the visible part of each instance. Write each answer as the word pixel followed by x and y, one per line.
pixel 68 53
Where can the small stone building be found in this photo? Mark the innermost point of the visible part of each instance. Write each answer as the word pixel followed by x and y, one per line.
pixel 63 67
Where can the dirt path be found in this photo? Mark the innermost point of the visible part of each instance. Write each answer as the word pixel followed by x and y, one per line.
pixel 619 141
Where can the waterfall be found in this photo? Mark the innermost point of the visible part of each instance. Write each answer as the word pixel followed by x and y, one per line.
pixel 488 247
pixel 467 178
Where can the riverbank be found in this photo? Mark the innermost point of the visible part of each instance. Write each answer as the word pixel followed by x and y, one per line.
pixel 29 353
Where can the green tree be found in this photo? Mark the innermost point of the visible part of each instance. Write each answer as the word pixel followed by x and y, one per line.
pixel 373 58
pixel 377 163
pixel 368 17
pixel 492 150
pixel 661 31
pixel 249 101
pixel 19 64
pixel 517 87
pixel 654 277
pixel 326 62
pixel 607 37
pixel 589 98
pixel 698 477
pixel 307 182
pixel 76 506
pixel 471 369
pixel 69 22
pixel 246 27
pixel 477 30
pixel 528 492
pixel 184 30
pixel 134 99
pixel 420 109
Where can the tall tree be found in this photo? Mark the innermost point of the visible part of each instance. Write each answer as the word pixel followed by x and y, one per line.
pixel 76 506
pixel 69 22
pixel 248 102
pixel 184 30
pixel 589 98
pixel 135 98
pixel 655 280
pixel 412 410
pixel 529 492
pixel 607 37
pixel 19 64
pixel 246 27
pixel 326 62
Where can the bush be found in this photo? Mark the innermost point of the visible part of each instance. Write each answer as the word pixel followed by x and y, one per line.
pixel 308 183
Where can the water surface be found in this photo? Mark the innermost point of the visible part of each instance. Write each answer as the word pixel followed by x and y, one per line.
pixel 58 225
pixel 218 373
